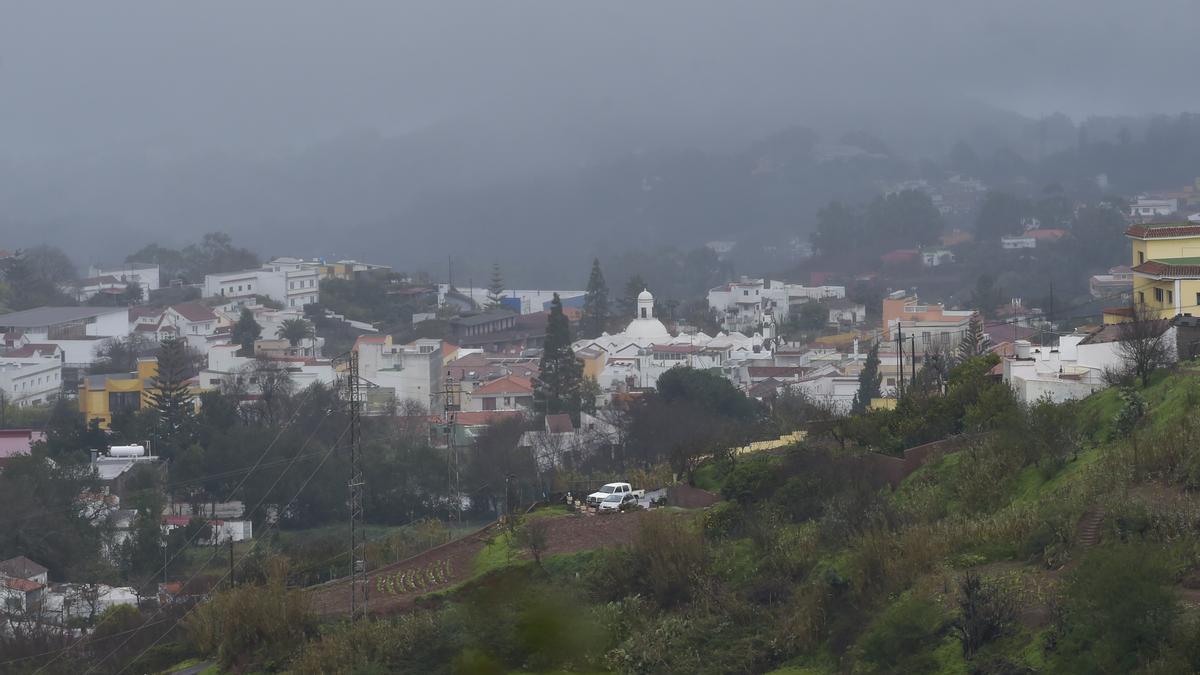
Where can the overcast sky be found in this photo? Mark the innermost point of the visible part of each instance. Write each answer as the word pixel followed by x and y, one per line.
pixel 260 75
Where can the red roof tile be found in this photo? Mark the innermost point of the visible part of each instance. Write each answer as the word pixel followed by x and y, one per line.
pixel 559 424
pixel 479 418
pixel 194 311
pixel 509 384
pixel 1163 230
pixel 1161 269
pixel 28 350
pixel 23 585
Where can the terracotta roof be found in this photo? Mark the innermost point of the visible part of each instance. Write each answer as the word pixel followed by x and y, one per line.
pixel 23 585
pixel 479 418
pixel 1047 234
pixel 1114 332
pixel 509 384
pixel 1162 269
pixel 1120 311
pixel 777 371
pixel 1163 230
pixel 194 311
pixel 30 349
pixel 21 567
pixel 141 312
pixel 559 424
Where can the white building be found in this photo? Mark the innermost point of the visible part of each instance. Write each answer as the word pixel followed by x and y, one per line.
pixel 77 330
pixel 936 257
pixel 1072 369
pixel 30 381
pixel 1144 207
pixel 289 281
pixel 412 371
pixel 637 356
pixel 510 392
pixel 226 367
pixel 743 305
pixel 193 321
pixel 530 301
pixel 1013 243
pixel 146 276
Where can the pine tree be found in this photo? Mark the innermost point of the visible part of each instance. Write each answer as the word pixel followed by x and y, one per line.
pixel 245 332
pixel 170 396
pixel 868 382
pixel 974 342
pixel 558 387
pixel 595 304
pixel 495 289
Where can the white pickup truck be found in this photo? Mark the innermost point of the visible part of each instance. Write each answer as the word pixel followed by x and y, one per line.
pixel 612 495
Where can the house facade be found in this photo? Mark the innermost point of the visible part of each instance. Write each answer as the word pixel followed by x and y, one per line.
pixel 289 281
pixel 1166 268
pixel 30 381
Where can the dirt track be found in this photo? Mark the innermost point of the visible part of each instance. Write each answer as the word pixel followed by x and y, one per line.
pixel 452 563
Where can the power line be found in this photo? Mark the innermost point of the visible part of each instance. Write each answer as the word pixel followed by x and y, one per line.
pixel 166 563
pixel 179 620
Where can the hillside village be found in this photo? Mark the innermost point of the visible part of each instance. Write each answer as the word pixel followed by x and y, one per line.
pixel 145 395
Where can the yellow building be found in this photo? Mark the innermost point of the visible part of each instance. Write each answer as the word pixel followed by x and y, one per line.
pixel 1166 268
pixel 102 395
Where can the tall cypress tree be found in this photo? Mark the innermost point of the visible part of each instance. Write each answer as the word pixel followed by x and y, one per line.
pixel 495 288
pixel 595 304
pixel 559 384
pixel 171 398
pixel 245 332
pixel 868 382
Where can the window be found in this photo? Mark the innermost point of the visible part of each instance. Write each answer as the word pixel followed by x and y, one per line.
pixel 489 403
pixel 1142 297
pixel 745 292
pixel 891 382
pixel 1158 295
pixel 507 401
pixel 644 313
pixel 1170 296
pixel 1141 257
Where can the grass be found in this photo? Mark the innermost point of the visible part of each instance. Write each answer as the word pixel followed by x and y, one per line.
pixel 711 476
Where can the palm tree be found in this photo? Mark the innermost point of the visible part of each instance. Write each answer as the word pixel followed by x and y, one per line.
pixel 294 331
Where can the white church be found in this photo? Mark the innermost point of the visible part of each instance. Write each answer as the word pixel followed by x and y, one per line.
pixel 637 356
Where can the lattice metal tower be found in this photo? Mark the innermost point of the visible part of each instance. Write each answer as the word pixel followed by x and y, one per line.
pixel 352 395
pixel 451 401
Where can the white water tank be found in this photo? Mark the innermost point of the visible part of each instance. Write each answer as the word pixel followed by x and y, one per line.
pixel 126 451
pixel 1024 349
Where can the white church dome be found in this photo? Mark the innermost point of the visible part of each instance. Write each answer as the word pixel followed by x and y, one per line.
pixel 643 329
pixel 645 295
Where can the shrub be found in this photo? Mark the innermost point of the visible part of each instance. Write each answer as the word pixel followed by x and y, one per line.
pixel 1117 609
pixel 252 625
pixel 902 639
pixel 752 480
pixel 985 613
pixel 722 519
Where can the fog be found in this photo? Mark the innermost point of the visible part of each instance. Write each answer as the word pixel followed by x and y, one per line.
pixel 158 120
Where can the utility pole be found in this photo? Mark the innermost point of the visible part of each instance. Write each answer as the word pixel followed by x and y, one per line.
pixel 912 357
pixel 451 395
pixel 232 579
pixel 900 357
pixel 352 391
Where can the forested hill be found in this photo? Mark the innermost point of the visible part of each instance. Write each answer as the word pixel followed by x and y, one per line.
pixel 1060 538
